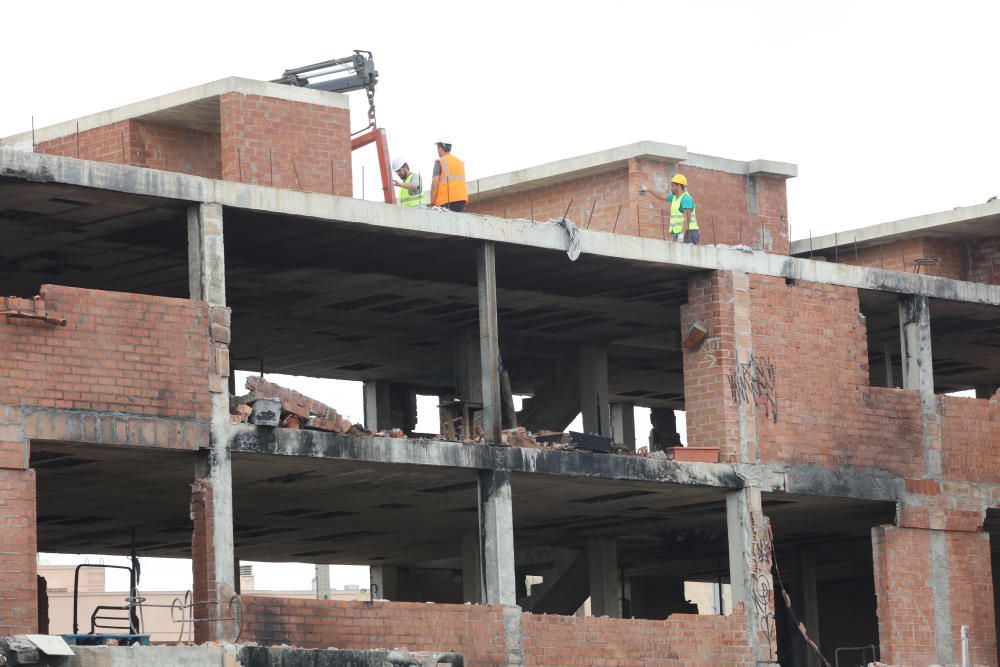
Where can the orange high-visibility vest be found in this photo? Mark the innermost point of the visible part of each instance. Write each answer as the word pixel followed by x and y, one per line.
pixel 451 182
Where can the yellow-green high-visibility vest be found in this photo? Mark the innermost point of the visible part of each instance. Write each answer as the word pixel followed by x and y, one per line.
pixel 677 215
pixel 407 198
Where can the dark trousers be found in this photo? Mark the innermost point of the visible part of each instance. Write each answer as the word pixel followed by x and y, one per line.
pixel 457 206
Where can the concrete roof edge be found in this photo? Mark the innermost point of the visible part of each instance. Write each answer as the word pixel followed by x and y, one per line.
pixel 232 84
pixel 562 170
pixel 773 168
pixel 886 232
pixel 183 187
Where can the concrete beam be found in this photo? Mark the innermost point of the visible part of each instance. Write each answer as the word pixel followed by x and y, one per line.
pixel 319 444
pixel 136 180
pixel 623 424
pixel 496 534
pixel 605 583
pixel 489 342
pixel 594 402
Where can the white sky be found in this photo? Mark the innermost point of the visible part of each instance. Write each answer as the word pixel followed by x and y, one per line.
pixel 888 108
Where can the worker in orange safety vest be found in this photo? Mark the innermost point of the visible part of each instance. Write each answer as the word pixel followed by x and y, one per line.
pixel 448 188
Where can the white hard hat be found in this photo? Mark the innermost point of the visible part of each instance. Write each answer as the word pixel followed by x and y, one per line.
pixel 398 163
pixel 444 139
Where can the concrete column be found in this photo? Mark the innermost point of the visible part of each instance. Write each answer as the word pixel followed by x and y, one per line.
pixel 212 553
pixel 378 416
pixel 750 550
pixel 985 390
pixel 918 373
pixel 468 369
pixel 605 584
pixel 664 432
pixel 385 582
pixel 472 570
pixel 496 537
pixel 810 602
pixel 915 342
pixel 623 424
pixel 594 402
pixel 489 341
pixel 322 582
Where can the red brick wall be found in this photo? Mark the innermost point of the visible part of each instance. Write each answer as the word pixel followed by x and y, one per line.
pixel 475 630
pixel 722 204
pixel 286 144
pixel 985 264
pixel 143 144
pixel 18 552
pixel 903 581
pixel 132 353
pixel 682 639
pixel 899 256
pixel 970 433
pixel 813 337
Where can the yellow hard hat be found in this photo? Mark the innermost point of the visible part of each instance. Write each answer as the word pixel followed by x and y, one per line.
pixel 679 178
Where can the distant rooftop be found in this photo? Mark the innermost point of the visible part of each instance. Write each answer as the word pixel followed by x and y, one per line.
pixel 962 223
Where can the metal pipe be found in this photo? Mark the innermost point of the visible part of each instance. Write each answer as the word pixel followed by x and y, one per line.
pixel 964 634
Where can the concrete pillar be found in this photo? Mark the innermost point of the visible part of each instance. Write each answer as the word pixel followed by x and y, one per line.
pixel 623 424
pixel 212 554
pixel 496 535
pixel 472 570
pixel 750 550
pixel 594 403
pixel 385 582
pixel 376 400
pixel 468 369
pixel 915 343
pixel 918 373
pixel 985 390
pixel 810 602
pixel 322 582
pixel 489 341
pixel 605 584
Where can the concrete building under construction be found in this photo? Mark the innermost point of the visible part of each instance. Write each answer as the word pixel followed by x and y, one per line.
pixel 831 475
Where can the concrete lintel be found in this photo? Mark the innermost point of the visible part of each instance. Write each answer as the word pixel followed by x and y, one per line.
pixel 150 182
pixel 550 173
pixel 895 230
pixel 319 444
pixel 171 101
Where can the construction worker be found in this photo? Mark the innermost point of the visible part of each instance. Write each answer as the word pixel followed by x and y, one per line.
pixel 683 221
pixel 448 189
pixel 411 190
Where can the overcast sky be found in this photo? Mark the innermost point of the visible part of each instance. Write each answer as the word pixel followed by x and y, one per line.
pixel 888 108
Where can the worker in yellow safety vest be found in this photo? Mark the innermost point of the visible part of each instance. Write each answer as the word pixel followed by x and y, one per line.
pixel 448 189
pixel 411 191
pixel 683 220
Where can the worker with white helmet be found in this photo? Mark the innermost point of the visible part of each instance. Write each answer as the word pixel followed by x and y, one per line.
pixel 683 221
pixel 411 190
pixel 448 189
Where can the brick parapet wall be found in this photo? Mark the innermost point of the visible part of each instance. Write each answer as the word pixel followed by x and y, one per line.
pixel 118 352
pixel 286 144
pixel 477 631
pixel 985 261
pixel 970 434
pixel 144 144
pixel 682 639
pixel 900 256
pixel 905 584
pixel 732 209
